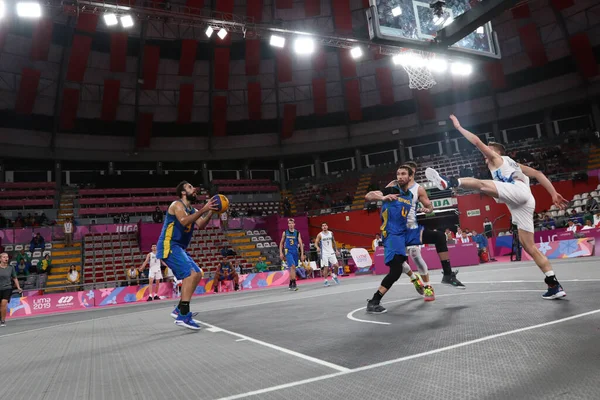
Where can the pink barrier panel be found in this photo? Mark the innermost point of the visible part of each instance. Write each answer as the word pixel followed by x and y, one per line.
pixel 583 247
pixel 129 294
pixel 461 255
pixel 50 303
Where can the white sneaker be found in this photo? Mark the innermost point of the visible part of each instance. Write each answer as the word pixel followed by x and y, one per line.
pixel 434 177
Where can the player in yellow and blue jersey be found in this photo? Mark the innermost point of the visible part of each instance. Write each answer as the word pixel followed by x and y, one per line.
pixel 288 250
pixel 397 201
pixel 177 232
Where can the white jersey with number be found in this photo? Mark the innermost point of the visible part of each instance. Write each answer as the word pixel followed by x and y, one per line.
pixel 509 171
pixel 327 243
pixel 411 220
pixel 154 262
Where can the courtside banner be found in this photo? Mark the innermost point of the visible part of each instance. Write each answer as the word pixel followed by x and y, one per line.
pixel 50 303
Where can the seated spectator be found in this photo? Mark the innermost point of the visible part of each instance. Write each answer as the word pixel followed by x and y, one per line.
pixel 73 275
pixel 124 218
pixel 449 235
pixel 591 205
pixel 464 237
pixel 345 254
pixel 348 199
pixel 482 246
pixel 43 220
pixel 226 272
pixel 376 242
pixel 22 256
pixel 227 252
pixel 132 276
pixel 304 268
pixel 157 216
pixel 261 265
pixel 571 226
pixel 37 242
pixel 23 267
pixel 588 225
pixel 45 265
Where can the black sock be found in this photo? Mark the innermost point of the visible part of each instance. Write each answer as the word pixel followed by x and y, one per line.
pixel 551 281
pixel 377 297
pixel 184 307
pixel 446 267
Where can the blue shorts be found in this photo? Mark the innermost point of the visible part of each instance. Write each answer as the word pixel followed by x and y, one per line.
pixel 396 244
pixel 291 259
pixel 181 263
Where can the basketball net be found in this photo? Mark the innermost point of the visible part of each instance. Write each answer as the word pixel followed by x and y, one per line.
pixel 417 64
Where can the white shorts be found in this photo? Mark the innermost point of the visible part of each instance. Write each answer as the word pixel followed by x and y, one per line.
pixel 520 202
pixel 328 260
pixel 155 273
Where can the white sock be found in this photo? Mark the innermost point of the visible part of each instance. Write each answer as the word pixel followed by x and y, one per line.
pixel 333 276
pixel 549 273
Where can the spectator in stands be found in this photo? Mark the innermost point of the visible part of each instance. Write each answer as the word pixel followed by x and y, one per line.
pixel 591 205
pixel 376 242
pixel 261 265
pixel 68 230
pixel 157 216
pixel 227 252
pixel 24 258
pixel 449 235
pixel 464 237
pixel 488 228
pixel 345 254
pixel 348 199
pixel 42 219
pixel 573 213
pixel 73 275
pixel 571 226
pixel 224 220
pixel 588 225
pixel 124 218
pixel 19 221
pixel 305 264
pixel 548 223
pixel 37 242
pixel 45 265
pixel 132 276
pixel 226 272
pixel 482 246
pixel 23 267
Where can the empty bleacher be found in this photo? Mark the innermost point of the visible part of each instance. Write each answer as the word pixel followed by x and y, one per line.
pixel 245 185
pixel 24 195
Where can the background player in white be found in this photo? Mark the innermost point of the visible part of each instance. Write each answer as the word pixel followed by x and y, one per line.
pixel 419 196
pixel 327 251
pixel 510 185
pixel 155 274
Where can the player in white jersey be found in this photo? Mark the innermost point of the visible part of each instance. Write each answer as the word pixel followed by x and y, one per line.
pixel 328 252
pixel 419 196
pixel 155 274
pixel 510 185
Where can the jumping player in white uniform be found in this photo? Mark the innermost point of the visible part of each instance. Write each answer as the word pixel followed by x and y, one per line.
pixel 155 274
pixel 414 252
pixel 510 185
pixel 327 250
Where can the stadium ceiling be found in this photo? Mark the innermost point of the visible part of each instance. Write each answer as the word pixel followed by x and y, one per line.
pixel 203 18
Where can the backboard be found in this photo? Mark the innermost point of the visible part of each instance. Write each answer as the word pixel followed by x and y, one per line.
pixel 413 23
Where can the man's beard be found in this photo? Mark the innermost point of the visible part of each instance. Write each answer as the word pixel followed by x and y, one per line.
pixel 191 197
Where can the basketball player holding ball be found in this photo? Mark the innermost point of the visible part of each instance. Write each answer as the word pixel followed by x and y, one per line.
pixel 176 235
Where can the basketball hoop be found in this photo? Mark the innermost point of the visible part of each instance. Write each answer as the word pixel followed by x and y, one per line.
pixel 418 65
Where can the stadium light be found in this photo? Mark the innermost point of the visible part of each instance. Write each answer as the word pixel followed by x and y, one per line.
pixel 2 9
pixel 222 33
pixel 437 65
pixel 356 52
pixel 409 59
pixel 110 19
pixel 209 31
pixel 461 69
pixel 126 21
pixel 277 41
pixel 29 9
pixel 396 11
pixel 304 46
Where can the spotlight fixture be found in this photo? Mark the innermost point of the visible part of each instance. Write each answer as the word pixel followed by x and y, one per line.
pixel 304 45
pixel 29 9
pixel 396 11
pixel 209 31
pixel 277 41
pixel 356 52
pixel 126 21
pixel 110 19
pixel 222 33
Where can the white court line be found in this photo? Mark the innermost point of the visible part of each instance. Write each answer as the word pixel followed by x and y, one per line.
pixel 351 317
pixel 278 348
pixel 241 340
pixel 407 358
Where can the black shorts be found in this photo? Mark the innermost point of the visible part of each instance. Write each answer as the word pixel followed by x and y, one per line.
pixel 5 294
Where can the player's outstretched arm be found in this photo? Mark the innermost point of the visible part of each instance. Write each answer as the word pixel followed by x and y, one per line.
pixel 176 208
pixel 474 139
pixel 424 200
pixel 377 195
pixel 281 245
pixel 203 221
pixel 557 198
pixel 146 261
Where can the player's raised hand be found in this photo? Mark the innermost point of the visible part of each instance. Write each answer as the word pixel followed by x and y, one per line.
pixel 455 121
pixel 560 201
pixel 390 197
pixel 211 205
